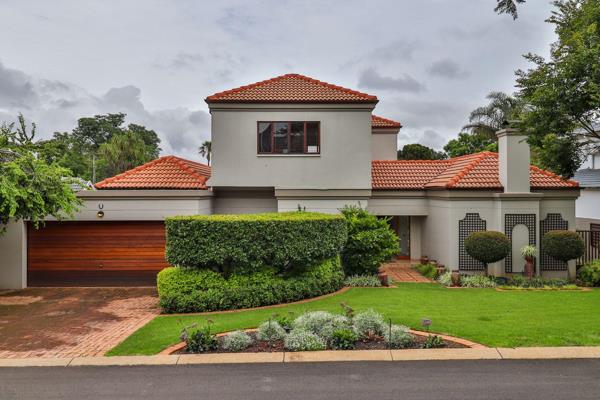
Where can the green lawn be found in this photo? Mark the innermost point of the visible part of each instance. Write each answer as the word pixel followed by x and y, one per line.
pixel 502 319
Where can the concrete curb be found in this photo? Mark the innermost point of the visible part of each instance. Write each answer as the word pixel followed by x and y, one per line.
pixel 519 353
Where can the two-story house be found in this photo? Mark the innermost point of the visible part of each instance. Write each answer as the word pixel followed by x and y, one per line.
pixel 290 143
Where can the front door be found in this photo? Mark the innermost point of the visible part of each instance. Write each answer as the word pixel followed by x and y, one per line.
pixel 401 225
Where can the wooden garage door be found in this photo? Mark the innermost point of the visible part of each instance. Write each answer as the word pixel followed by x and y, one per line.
pixel 107 253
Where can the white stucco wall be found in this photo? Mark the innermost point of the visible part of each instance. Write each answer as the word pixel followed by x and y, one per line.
pixel 344 162
pixel 588 204
pixel 514 160
pixel 13 256
pixel 143 205
pixel 244 202
pixel 384 146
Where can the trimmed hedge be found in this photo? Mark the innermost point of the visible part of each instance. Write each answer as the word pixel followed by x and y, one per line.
pixel 183 290
pixel 487 246
pixel 245 243
pixel 563 245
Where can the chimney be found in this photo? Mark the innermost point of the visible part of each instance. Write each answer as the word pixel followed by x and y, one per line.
pixel 513 160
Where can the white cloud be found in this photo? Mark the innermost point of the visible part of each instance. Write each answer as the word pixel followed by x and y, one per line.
pixel 371 79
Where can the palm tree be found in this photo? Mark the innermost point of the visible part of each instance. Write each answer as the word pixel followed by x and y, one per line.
pixel 205 150
pixel 486 120
pixel 508 7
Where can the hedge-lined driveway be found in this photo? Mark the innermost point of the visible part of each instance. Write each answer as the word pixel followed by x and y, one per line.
pixel 71 322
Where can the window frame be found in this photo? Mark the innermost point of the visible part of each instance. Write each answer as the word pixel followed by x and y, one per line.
pixel 289 138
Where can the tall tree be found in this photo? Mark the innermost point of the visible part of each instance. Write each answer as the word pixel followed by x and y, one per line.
pixel 417 151
pixel 467 143
pixel 122 152
pixel 563 93
pixel 30 188
pixel 487 120
pixel 508 7
pixel 205 150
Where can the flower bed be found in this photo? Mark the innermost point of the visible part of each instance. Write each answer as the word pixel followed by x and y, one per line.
pixel 314 331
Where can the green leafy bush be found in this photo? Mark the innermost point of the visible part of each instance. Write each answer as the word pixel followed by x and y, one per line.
pixel 428 270
pixel 433 342
pixel 563 245
pixel 246 243
pixel 398 337
pixel 369 323
pixel 237 341
pixel 270 331
pixel 362 281
pixel 370 242
pixel 299 340
pixel 321 323
pixel 343 339
pixel 198 290
pixel 487 246
pixel 589 274
pixel 477 281
pixel 201 341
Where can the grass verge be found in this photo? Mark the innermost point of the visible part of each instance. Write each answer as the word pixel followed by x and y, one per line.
pixel 487 316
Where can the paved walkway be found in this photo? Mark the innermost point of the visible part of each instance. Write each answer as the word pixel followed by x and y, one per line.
pixel 401 271
pixel 71 322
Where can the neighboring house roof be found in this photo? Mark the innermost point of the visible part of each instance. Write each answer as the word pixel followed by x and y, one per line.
pixel 167 172
pixel 588 178
pixel 383 123
pixel 473 171
pixel 291 88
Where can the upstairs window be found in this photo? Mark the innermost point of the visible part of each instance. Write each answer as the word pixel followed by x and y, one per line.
pixel 297 137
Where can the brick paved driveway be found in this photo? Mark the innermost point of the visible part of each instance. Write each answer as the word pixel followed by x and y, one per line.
pixel 71 322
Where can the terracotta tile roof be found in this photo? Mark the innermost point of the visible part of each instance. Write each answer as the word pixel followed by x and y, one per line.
pixel 291 88
pixel 167 172
pixel 473 171
pixel 380 122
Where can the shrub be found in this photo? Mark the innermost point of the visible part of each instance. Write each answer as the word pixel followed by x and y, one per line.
pixel 369 323
pixel 362 281
pixel 589 274
pixel 299 340
pixel 237 341
pixel 398 337
pixel 528 251
pixel 563 245
pixel 321 323
pixel 343 339
pixel 245 243
pixel 536 282
pixel 445 279
pixel 487 246
pixel 270 331
pixel 192 290
pixel 201 341
pixel 370 242
pixel 433 342
pixel 477 281
pixel 428 270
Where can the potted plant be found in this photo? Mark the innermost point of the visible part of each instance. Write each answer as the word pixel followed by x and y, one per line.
pixel 424 260
pixel 528 252
pixel 455 276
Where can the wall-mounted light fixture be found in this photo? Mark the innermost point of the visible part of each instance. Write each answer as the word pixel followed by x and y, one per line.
pixel 100 214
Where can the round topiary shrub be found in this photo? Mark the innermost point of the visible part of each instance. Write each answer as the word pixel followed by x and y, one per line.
pixel 563 245
pixel 299 340
pixel 487 246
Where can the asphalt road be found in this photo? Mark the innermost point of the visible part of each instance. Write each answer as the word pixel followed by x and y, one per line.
pixel 429 380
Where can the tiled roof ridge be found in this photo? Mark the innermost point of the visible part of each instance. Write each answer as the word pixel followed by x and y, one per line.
pixel 183 164
pixel 216 96
pixel 130 171
pixel 551 174
pixel 390 122
pixel 477 158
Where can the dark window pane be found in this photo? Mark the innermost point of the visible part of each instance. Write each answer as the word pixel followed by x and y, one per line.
pixel 297 137
pixel 281 137
pixel 264 137
pixel 312 137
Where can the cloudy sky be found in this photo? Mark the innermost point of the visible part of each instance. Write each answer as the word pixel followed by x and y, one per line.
pixel 429 61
